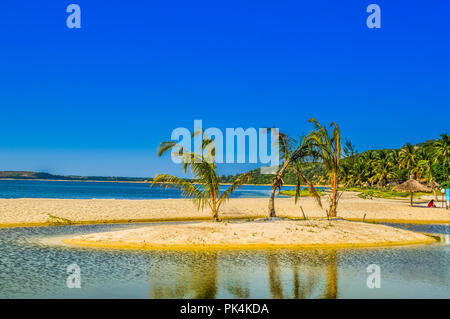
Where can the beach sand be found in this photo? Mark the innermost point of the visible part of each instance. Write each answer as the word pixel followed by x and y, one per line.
pixel 259 234
pixel 39 212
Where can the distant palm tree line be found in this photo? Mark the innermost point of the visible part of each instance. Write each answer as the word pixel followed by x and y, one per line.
pixel 428 162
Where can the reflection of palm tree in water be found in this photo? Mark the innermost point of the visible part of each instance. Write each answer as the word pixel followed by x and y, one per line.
pixel 236 288
pixel 303 288
pixel 331 291
pixel 275 284
pixel 204 284
pixel 192 275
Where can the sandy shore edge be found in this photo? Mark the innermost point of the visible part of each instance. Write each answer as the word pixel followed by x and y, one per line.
pixel 60 212
pixel 157 220
pixel 119 245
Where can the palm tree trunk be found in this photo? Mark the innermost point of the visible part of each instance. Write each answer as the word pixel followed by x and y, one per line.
pixel 333 196
pixel 216 216
pixel 272 202
pixel 276 183
pixel 214 206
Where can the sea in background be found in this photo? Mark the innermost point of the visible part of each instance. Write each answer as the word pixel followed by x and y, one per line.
pixel 116 190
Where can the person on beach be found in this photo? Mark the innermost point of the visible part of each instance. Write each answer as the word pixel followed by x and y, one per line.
pixel 431 204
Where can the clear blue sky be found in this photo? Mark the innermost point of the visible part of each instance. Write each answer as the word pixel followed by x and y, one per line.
pixel 97 101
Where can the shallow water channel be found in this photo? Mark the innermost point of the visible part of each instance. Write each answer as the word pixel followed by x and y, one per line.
pixel 33 264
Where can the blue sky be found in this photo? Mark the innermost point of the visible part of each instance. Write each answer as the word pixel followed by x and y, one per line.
pixel 98 100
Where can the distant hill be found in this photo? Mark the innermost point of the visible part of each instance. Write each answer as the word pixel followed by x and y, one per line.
pixel 47 176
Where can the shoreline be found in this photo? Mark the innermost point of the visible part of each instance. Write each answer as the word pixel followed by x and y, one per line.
pixel 136 182
pixel 185 247
pixel 71 180
pixel 159 220
pixel 39 212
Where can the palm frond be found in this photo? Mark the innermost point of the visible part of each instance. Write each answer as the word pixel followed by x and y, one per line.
pixel 238 182
pixel 285 144
pixel 165 146
pixel 187 188
pixel 312 189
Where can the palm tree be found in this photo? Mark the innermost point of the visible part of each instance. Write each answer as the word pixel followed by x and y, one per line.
pixel 205 189
pixel 368 160
pixel 358 174
pixel 293 156
pixel 328 149
pixel 349 161
pixel 394 157
pixel 346 174
pixel 442 150
pixel 394 161
pixel 349 148
pixel 408 158
pixel 383 170
pixel 423 167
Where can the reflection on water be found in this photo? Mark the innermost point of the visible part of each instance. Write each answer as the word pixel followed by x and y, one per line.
pixel 273 268
pixel 192 275
pixel 30 268
pixel 215 274
pixel 331 283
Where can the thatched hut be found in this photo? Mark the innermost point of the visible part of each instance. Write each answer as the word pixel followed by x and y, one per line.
pixel 412 186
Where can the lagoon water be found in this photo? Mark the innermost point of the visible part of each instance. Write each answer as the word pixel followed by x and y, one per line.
pixel 33 264
pixel 116 190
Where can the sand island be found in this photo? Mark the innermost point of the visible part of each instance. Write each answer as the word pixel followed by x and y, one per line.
pixel 259 234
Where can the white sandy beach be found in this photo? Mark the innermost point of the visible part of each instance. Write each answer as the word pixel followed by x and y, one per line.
pixel 253 234
pixel 22 212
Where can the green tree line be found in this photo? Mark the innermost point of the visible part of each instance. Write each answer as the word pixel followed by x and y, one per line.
pixel 428 161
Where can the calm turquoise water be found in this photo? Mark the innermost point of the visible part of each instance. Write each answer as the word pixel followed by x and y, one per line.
pixel 33 265
pixel 87 190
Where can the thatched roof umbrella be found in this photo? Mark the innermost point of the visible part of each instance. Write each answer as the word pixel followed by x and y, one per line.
pixel 412 186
